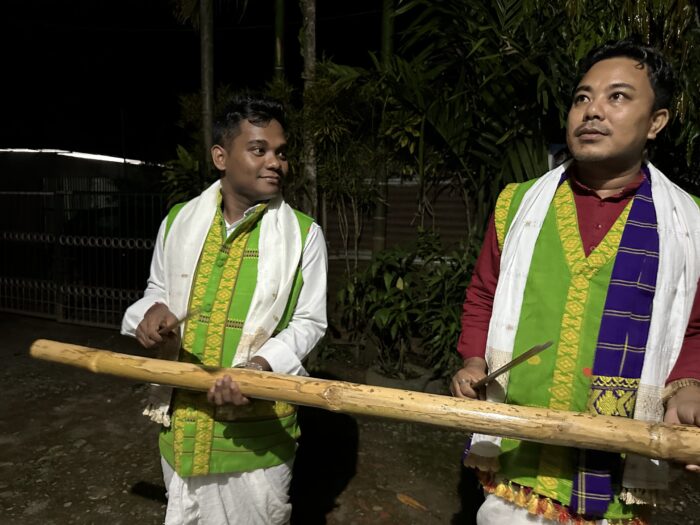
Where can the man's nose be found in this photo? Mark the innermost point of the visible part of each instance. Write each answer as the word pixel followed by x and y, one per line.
pixel 273 162
pixel 594 110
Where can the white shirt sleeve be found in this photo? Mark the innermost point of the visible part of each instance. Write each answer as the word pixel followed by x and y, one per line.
pixel 155 290
pixel 287 349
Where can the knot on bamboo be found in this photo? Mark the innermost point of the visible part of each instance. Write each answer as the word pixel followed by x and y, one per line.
pixel 333 394
pixel 656 433
pixel 662 441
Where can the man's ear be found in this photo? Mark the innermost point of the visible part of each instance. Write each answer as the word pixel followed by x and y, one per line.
pixel 218 157
pixel 659 119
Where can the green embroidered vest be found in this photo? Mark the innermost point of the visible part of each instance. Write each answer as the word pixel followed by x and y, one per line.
pixel 563 301
pixel 204 439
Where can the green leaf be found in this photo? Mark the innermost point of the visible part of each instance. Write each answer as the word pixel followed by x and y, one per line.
pixel 399 283
pixel 381 316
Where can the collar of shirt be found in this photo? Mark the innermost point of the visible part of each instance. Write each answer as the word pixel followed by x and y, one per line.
pixel 625 193
pixel 232 226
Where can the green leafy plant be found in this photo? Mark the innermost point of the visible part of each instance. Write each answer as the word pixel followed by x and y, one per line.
pixel 438 323
pixel 181 177
pixel 408 304
pixel 376 305
pixel 477 90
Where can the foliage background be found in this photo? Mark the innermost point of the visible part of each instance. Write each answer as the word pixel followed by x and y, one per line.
pixel 472 97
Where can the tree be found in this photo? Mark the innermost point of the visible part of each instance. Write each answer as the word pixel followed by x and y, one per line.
pixel 308 50
pixel 206 45
pixel 338 118
pixel 492 80
pixel 380 206
pixel 200 13
pixel 472 97
pixel 279 40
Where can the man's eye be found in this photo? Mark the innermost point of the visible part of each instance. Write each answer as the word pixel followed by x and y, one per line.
pixel 618 95
pixel 580 98
pixel 282 155
pixel 258 151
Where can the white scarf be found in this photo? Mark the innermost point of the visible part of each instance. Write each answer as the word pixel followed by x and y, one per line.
pixel 278 261
pixel 678 219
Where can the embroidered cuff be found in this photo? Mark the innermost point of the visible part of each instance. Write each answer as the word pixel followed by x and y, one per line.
pixel 674 386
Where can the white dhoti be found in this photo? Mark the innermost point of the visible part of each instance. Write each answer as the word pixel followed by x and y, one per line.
pixel 497 511
pixel 259 497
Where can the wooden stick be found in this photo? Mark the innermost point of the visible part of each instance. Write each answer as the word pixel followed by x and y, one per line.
pixel 555 427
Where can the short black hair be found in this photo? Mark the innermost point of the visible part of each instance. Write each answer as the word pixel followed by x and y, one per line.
pixel 660 72
pixel 257 110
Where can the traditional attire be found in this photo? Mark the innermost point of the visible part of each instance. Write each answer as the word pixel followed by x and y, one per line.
pixel 257 287
pixel 617 306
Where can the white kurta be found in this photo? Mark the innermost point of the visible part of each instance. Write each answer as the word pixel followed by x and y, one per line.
pixel 259 496
pixel 288 348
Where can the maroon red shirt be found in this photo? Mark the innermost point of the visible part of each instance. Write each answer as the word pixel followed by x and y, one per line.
pixel 595 217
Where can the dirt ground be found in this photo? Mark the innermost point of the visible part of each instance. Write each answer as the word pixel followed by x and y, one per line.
pixel 74 449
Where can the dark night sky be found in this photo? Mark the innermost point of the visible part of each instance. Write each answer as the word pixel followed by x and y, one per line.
pixel 104 77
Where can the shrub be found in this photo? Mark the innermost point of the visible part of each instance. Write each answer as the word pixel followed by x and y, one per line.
pixel 405 295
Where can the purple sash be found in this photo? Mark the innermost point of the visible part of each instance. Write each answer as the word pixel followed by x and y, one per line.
pixel 622 340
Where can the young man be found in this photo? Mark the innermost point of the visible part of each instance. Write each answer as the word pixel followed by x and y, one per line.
pixel 249 275
pixel 602 256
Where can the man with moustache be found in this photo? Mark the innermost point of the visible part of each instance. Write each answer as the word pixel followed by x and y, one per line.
pixel 247 273
pixel 602 256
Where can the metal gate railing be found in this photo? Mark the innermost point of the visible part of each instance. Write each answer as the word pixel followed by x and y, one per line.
pixel 76 256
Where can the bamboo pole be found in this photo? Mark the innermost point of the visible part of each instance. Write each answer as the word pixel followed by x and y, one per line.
pixel 555 427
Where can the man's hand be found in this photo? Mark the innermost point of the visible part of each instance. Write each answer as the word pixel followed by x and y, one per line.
pixel 151 330
pixel 684 409
pixel 226 391
pixel 474 369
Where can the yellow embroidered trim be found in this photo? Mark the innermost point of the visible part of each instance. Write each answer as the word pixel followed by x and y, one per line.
pixel 204 268
pixel 186 410
pixel 256 410
pixel 204 425
pixel 500 213
pixel 568 347
pixel 231 255
pixel 613 396
pixel 213 348
pixel 567 223
pixel 180 416
pixel 235 323
pixel 203 434
pixel 190 409
pixel 582 270
pixel 214 345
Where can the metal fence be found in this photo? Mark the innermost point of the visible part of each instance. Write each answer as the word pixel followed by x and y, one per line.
pixel 79 256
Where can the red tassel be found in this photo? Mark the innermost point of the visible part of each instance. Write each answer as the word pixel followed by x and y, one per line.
pixel 564 516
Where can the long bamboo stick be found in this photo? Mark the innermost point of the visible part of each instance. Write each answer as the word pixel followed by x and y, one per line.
pixel 556 427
